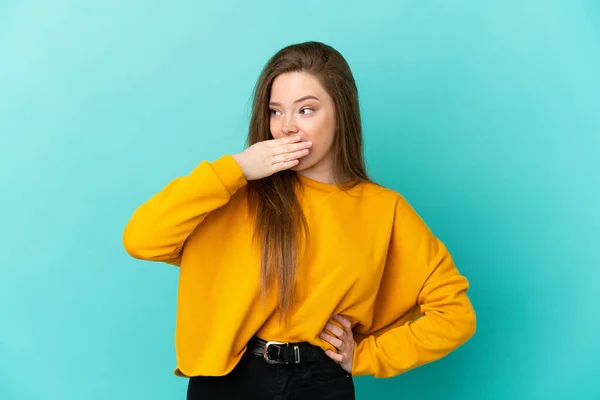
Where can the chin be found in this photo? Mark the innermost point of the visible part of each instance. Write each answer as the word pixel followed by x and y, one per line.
pixel 302 165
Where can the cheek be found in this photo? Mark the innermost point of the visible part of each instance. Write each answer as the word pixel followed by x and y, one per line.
pixel 320 132
pixel 314 129
pixel 275 128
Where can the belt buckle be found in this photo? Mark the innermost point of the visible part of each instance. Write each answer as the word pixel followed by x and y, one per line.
pixel 273 361
pixel 266 352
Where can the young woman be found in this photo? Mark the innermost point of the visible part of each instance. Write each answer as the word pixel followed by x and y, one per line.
pixel 297 272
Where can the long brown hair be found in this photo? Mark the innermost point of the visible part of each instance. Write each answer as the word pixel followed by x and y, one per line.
pixel 278 216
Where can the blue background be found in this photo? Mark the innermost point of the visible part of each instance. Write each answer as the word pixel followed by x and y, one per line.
pixel 484 115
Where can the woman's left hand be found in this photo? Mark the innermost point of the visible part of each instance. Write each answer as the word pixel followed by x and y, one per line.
pixel 343 341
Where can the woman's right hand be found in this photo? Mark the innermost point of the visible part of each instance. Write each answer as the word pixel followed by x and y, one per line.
pixel 265 158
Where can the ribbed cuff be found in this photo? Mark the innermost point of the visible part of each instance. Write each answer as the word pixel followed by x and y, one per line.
pixel 361 359
pixel 230 173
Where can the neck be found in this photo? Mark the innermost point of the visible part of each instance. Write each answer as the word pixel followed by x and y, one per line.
pixel 327 178
pixel 320 172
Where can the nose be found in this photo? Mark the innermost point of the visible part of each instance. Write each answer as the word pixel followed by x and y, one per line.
pixel 289 125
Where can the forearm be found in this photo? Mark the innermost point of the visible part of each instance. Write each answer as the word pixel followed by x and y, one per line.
pixel 159 228
pixel 446 324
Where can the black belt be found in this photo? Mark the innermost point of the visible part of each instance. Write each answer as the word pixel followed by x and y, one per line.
pixel 286 353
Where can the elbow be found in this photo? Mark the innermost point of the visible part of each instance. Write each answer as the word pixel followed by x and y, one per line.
pixel 469 326
pixel 461 328
pixel 139 244
pixel 132 243
pixel 466 327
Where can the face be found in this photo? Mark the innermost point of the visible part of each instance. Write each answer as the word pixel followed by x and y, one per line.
pixel 300 105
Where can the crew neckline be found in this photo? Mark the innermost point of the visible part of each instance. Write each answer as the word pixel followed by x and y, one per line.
pixel 328 187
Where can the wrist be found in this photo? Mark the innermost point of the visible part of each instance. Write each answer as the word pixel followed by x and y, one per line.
pixel 238 159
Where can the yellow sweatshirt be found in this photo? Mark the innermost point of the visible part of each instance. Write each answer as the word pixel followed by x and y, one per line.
pixel 370 258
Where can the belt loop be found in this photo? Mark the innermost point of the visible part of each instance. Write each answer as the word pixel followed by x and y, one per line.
pixel 296 354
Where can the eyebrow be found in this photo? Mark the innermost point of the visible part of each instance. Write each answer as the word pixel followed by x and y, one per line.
pixel 272 103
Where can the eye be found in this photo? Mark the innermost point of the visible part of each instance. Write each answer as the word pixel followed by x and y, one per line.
pixel 273 112
pixel 307 109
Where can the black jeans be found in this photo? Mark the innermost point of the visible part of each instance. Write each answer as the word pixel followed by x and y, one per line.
pixel 255 379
